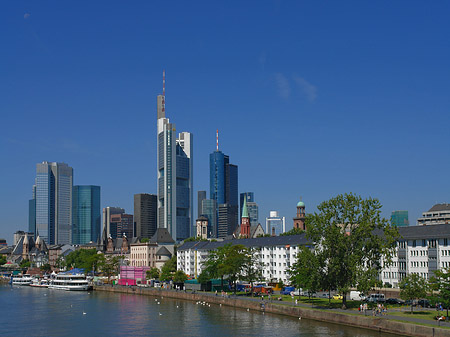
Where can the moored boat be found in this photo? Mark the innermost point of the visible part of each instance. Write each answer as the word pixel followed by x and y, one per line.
pixel 39 283
pixel 77 282
pixel 21 280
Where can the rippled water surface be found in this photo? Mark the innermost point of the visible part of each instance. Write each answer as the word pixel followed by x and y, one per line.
pixel 27 311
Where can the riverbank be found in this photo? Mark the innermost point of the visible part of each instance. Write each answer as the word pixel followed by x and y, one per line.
pixel 381 324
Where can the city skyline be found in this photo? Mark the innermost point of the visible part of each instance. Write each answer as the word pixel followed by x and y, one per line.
pixel 308 102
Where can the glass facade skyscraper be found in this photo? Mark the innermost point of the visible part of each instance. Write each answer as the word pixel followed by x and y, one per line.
pixel 86 214
pixel 209 210
pixel 54 202
pixel 145 215
pixel 400 218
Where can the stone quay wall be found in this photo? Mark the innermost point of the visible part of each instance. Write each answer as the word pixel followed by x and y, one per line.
pixel 324 315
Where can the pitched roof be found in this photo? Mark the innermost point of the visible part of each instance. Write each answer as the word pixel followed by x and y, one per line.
pixel 440 207
pixel 425 232
pixel 163 251
pixel 162 236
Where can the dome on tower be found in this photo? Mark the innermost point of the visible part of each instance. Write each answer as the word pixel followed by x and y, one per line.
pixel 300 204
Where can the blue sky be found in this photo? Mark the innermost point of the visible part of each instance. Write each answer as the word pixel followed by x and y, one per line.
pixel 312 98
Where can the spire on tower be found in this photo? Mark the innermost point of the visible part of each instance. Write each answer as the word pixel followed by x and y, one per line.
pixel 217 139
pixel 164 92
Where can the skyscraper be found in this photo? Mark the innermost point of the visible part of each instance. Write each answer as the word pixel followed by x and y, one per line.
pixel 223 188
pixel 175 175
pixel 121 224
pixel 86 214
pixel 107 212
pixel 201 195
pixel 54 183
pixel 399 218
pixel 145 215
pixel 209 210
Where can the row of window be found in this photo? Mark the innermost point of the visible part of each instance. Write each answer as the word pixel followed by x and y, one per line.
pixel 417 264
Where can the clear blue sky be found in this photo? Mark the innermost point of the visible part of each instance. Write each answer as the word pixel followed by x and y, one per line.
pixel 312 98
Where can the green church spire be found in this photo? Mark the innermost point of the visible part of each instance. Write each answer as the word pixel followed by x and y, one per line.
pixel 244 208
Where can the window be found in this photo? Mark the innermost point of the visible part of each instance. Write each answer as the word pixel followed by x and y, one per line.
pixel 445 242
pixel 414 243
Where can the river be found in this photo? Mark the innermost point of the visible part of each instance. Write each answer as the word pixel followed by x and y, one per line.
pixel 45 312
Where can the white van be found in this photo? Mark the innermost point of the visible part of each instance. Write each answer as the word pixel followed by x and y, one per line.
pixel 376 298
pixel 357 296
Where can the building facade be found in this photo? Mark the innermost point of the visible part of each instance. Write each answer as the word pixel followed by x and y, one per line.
pixel 121 225
pixel 107 212
pixel 275 224
pixel 53 202
pixel 86 214
pixel 209 210
pixel 399 218
pixel 252 207
pixel 201 195
pixel 175 176
pixel 145 212
pixel 439 214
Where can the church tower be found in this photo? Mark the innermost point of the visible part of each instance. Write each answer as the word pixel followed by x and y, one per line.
pixel 299 220
pixel 245 221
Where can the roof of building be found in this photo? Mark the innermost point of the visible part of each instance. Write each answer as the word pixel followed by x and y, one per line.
pixel 202 218
pixel 254 228
pixel 244 209
pixel 425 232
pixel 300 204
pixel 162 235
pixel 163 251
pixel 6 250
pixel 440 207
pixel 294 240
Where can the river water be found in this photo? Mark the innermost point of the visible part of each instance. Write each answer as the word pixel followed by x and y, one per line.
pixel 26 311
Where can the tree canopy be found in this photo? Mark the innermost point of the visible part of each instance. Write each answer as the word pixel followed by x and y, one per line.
pixel 413 287
pixel 350 240
pixel 168 269
pixel 152 274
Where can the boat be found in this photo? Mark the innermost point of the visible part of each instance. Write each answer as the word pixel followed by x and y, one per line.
pixel 76 282
pixel 39 283
pixel 21 280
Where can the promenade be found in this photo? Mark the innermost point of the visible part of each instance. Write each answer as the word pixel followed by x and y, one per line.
pixel 407 326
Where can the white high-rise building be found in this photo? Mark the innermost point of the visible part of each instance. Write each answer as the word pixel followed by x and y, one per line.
pixel 54 182
pixel 275 224
pixel 175 176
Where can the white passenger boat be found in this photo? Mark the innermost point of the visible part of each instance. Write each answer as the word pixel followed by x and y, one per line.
pixel 22 280
pixel 69 282
pixel 39 283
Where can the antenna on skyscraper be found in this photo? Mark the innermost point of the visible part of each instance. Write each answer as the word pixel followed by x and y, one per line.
pixel 164 92
pixel 217 139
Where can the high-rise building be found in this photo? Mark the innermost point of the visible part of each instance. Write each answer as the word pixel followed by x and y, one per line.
pixel 252 207
pixel 223 188
pixel 145 214
pixel 175 176
pixel 275 224
pixel 201 195
pixel 107 212
pixel 86 214
pixel 209 210
pixel 53 199
pixel 120 225
pixel 399 218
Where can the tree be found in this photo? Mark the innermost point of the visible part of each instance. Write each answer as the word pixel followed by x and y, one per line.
pixel 351 239
pixel 152 274
pixel 251 268
pixel 168 269
pixel 293 231
pixel 2 260
pixel 25 264
pixel 305 272
pixel 82 258
pixel 442 282
pixel 46 268
pixel 179 276
pixel 145 240
pixel 109 265
pixel 413 287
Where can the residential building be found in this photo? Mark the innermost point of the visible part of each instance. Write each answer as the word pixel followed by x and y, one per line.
pixel 106 227
pixel 175 175
pixel 275 224
pixel 145 212
pixel 86 214
pixel 143 254
pixel 437 215
pixel 276 253
pixel 53 197
pixel 399 218
pixel 121 225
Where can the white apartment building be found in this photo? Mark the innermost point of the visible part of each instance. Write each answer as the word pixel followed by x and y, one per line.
pixel 439 214
pixel 277 253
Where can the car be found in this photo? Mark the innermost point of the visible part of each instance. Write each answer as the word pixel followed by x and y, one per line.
pixel 337 297
pixel 395 301
pixel 325 295
pixel 424 303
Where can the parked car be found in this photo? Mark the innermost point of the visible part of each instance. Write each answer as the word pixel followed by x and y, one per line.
pixel 287 290
pixel 376 298
pixel 325 295
pixel 357 296
pixel 337 297
pixel 424 303
pixel 395 301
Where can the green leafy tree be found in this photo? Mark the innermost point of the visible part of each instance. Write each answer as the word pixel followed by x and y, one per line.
pixel 168 269
pixel 252 267
pixel 293 231
pixel 109 265
pixel 25 264
pixel 82 258
pixel 2 260
pixel 413 287
pixel 145 240
pixel 179 276
pixel 203 277
pixel 152 274
pixel 305 272
pixel 441 281
pixel 350 239
pixel 46 268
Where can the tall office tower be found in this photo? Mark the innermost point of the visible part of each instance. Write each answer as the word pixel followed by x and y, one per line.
pixel 228 215
pixel 145 215
pixel 201 195
pixel 399 218
pixel 107 212
pixel 275 224
pixel 252 207
pixel 54 183
pixel 209 210
pixel 32 213
pixel 223 188
pixel 175 176
pixel 121 224
pixel 86 214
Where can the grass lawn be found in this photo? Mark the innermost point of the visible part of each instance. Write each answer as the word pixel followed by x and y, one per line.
pixel 429 315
